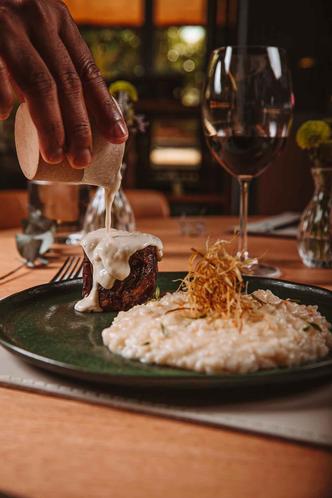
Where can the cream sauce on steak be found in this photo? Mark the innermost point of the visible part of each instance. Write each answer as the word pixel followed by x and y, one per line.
pixel 109 251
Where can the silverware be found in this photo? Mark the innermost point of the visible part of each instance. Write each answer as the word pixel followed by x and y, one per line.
pixel 272 223
pixel 12 271
pixel 71 268
pixel 32 247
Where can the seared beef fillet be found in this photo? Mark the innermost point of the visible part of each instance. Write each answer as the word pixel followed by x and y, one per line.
pixel 137 288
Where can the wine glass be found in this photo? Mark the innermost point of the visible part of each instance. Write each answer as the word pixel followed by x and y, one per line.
pixel 246 110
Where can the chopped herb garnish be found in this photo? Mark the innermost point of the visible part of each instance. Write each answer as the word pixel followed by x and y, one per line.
pixel 157 293
pixel 260 301
pixel 312 325
pixel 315 326
pixel 198 317
pixel 176 309
pixel 163 329
pixel 298 301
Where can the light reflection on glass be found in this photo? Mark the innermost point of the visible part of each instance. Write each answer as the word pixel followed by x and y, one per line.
pixel 274 57
pixel 217 78
pixel 273 129
pixel 228 58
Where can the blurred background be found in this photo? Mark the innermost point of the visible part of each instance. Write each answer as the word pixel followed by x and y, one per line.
pixel 162 48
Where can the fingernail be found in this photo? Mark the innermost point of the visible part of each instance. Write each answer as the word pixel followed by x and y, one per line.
pixel 55 156
pixel 81 159
pixel 119 131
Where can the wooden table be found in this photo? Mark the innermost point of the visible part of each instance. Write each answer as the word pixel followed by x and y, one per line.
pixel 53 447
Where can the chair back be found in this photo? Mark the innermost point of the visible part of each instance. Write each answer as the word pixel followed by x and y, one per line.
pixel 148 203
pixel 13 207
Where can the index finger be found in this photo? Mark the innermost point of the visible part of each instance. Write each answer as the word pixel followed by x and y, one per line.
pixel 33 78
pixel 100 103
pixel 6 92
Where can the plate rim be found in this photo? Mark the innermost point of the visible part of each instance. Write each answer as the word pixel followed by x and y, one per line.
pixel 221 379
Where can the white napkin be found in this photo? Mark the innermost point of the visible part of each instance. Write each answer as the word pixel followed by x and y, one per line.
pixel 302 416
pixel 284 225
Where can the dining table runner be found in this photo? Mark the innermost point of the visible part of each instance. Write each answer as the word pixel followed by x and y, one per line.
pixel 301 412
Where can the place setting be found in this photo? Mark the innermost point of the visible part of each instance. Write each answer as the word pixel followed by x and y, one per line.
pixel 221 324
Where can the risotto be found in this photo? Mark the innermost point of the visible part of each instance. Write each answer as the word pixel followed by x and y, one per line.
pixel 282 333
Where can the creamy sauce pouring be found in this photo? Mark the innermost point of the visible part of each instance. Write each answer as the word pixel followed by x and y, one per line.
pixel 109 251
pixel 109 198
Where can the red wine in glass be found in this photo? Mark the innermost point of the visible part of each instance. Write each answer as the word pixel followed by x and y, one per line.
pixel 245 155
pixel 246 111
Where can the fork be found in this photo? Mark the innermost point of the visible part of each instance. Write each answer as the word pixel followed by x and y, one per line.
pixel 71 268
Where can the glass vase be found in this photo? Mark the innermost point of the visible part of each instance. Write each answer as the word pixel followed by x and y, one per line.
pixel 122 217
pixel 315 229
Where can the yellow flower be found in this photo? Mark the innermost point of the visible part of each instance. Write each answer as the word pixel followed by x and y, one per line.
pixel 312 134
pixel 124 86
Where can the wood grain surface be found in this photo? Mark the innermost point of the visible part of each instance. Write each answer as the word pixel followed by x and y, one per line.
pixel 52 447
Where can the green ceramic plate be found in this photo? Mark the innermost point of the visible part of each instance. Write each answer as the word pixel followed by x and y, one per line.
pixel 41 326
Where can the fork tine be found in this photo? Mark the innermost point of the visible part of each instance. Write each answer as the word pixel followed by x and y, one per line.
pixel 73 270
pixel 67 272
pixel 79 269
pixel 62 270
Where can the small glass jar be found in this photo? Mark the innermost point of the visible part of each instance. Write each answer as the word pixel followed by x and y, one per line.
pixel 63 203
pixel 315 229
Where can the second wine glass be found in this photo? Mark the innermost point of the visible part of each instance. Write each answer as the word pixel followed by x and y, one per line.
pixel 246 109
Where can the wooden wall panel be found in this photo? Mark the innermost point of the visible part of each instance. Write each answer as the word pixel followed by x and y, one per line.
pixel 168 12
pixel 107 12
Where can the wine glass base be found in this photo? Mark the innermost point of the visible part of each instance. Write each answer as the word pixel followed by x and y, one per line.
pixel 261 270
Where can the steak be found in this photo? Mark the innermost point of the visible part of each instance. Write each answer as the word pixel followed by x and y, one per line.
pixel 137 288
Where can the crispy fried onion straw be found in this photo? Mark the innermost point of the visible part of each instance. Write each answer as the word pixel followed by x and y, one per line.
pixel 214 284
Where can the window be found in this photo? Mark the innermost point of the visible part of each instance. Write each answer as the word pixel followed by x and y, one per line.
pixel 181 50
pixel 117 51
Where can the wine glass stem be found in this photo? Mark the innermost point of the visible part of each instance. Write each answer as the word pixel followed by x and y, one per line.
pixel 243 238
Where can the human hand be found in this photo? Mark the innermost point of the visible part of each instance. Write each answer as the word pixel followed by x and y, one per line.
pixel 46 62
